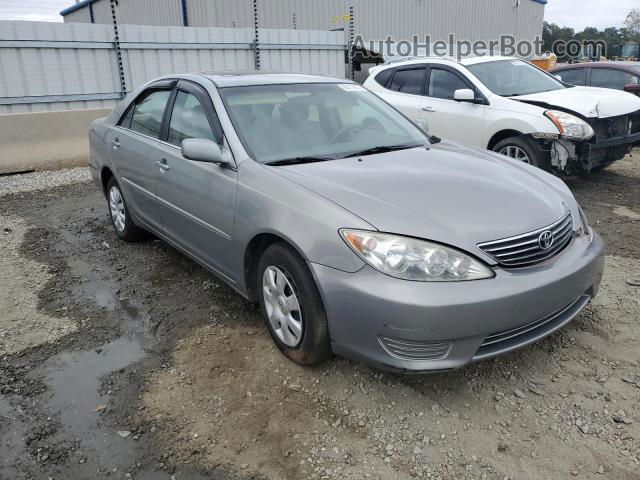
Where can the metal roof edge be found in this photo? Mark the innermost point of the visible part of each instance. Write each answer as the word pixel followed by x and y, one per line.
pixel 77 6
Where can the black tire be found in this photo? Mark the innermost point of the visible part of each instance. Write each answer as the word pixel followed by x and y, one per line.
pixel 537 157
pixel 130 232
pixel 314 345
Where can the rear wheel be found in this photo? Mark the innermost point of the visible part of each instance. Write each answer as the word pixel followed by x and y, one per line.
pixel 525 150
pixel 120 217
pixel 291 305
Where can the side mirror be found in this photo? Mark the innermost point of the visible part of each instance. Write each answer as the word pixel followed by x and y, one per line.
pixel 464 95
pixel 558 77
pixel 632 88
pixel 203 150
pixel 422 124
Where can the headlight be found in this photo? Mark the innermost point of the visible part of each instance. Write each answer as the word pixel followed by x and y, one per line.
pixel 569 125
pixel 412 259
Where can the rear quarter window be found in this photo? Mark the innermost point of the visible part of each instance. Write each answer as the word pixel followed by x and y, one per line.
pixel 383 77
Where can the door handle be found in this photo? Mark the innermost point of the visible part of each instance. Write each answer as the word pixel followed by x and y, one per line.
pixel 163 164
pixel 428 109
pixel 115 142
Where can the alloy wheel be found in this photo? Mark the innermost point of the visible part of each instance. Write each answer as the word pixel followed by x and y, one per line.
pixel 116 205
pixel 516 152
pixel 282 306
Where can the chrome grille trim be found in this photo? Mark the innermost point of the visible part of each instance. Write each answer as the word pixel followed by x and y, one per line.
pixel 524 250
pixel 414 350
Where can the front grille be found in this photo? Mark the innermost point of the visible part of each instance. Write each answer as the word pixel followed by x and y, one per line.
pixel 530 248
pixel 514 338
pixel 415 350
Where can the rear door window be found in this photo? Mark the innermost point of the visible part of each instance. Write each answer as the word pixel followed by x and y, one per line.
pixel 408 80
pixel 610 78
pixel 577 76
pixel 146 115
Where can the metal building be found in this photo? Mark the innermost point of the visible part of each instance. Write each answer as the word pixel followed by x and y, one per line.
pixel 373 20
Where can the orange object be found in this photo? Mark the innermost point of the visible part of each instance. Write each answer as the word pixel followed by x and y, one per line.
pixel 546 61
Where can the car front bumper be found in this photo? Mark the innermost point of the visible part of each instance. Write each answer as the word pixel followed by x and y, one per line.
pixel 409 326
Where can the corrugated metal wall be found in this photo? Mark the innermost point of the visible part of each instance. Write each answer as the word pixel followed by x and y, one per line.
pixel 374 19
pixel 48 66
pixel 102 12
pixel 37 64
pixel 81 15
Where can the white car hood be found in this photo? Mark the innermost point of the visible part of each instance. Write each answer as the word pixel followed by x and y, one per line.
pixel 589 102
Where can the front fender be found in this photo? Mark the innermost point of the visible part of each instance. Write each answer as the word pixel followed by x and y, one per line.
pixel 269 203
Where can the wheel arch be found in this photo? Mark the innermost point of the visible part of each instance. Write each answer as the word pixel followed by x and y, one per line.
pixel 254 250
pixel 501 135
pixel 105 175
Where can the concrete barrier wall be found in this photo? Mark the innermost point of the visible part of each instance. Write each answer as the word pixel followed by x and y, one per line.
pixel 45 140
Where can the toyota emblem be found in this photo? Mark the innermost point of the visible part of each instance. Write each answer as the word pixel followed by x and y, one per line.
pixel 545 240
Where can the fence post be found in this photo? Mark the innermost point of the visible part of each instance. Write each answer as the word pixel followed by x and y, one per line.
pixel 256 35
pixel 185 13
pixel 350 44
pixel 116 45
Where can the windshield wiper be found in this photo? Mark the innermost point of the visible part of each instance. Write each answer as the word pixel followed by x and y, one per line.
pixel 298 160
pixel 383 149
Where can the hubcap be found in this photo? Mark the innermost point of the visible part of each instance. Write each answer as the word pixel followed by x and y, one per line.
pixel 116 205
pixel 515 152
pixel 282 306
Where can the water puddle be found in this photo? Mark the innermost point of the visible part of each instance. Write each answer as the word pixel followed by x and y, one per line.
pixel 74 382
pixel 74 378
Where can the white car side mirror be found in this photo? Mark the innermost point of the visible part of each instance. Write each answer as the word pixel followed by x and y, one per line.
pixel 559 77
pixel 464 95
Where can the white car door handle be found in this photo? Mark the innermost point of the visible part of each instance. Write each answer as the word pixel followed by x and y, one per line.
pixel 428 109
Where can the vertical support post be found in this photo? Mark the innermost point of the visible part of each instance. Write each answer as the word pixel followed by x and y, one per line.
pixel 350 43
pixel 91 15
pixel 185 13
pixel 256 35
pixel 116 45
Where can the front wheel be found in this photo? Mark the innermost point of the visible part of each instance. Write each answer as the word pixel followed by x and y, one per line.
pixel 524 150
pixel 292 306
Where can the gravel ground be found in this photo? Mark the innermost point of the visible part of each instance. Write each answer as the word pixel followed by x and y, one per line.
pixel 33 181
pixel 159 371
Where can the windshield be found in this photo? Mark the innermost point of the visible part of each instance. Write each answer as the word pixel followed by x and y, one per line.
pixel 316 121
pixel 510 78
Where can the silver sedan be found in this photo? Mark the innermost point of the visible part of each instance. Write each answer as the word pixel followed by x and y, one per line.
pixel 356 231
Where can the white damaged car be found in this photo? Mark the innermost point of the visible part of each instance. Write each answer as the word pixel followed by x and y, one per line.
pixel 512 107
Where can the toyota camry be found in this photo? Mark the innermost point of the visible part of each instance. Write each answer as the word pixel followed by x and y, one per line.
pixel 356 231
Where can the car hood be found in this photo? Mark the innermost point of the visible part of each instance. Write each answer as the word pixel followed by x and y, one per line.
pixel 589 102
pixel 448 193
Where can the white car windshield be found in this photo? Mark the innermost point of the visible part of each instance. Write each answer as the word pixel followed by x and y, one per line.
pixel 510 78
pixel 316 121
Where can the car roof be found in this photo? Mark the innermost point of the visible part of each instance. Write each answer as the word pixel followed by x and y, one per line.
pixel 629 66
pixel 395 62
pixel 248 78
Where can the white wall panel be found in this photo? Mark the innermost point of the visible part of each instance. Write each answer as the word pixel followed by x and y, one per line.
pixel 46 66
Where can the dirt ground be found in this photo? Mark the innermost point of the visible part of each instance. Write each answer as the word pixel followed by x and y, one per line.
pixel 130 361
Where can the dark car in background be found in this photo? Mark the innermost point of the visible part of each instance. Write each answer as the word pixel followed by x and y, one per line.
pixel 617 75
